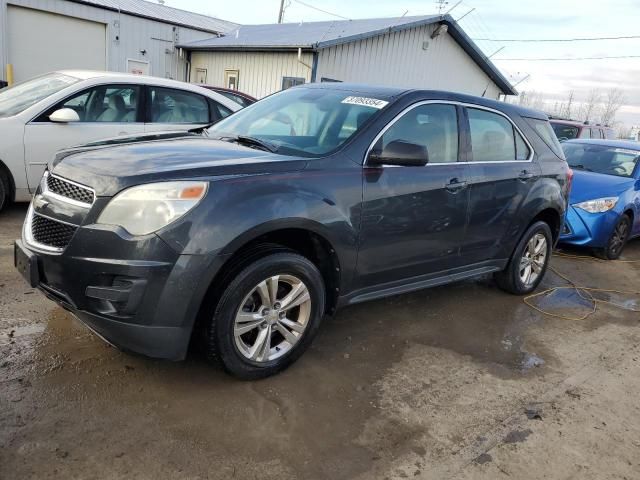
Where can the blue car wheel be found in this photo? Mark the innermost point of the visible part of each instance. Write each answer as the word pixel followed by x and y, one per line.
pixel 617 240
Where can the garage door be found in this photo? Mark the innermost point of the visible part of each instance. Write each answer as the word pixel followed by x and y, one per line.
pixel 40 42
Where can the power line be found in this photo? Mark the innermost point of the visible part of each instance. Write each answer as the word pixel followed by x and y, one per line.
pixel 533 40
pixel 565 59
pixel 321 10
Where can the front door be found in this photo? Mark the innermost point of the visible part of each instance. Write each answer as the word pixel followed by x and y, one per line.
pixel 414 217
pixel 104 111
pixel 500 175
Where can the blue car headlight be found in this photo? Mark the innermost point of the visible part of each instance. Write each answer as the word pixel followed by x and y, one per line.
pixel 598 205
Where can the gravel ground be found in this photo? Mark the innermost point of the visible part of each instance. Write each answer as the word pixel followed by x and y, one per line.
pixel 462 381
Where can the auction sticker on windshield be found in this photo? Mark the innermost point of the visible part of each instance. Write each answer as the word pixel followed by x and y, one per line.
pixel 367 102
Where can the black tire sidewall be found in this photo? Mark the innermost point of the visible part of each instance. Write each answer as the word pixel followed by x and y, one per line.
pixel 4 192
pixel 220 332
pixel 607 250
pixel 514 265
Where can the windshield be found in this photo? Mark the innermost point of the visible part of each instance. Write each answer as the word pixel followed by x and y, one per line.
pixel 601 158
pixel 301 121
pixel 565 132
pixel 19 97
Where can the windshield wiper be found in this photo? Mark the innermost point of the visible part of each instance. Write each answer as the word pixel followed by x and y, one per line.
pixel 252 142
pixel 581 167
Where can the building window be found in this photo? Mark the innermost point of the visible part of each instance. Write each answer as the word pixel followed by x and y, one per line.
pixel 288 82
pixel 231 79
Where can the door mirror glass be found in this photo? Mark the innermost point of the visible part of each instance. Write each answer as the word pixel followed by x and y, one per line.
pixel 64 115
pixel 399 152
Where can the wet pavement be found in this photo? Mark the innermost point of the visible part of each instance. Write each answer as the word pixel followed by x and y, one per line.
pixel 435 384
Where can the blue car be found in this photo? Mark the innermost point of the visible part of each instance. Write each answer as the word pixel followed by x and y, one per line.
pixel 605 197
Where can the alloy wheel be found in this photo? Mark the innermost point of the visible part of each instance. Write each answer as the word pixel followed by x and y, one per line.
pixel 272 318
pixel 619 237
pixel 533 259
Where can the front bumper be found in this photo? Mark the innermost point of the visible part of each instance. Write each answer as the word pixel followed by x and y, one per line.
pixel 588 229
pixel 136 292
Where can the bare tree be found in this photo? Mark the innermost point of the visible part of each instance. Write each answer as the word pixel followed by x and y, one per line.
pixel 590 105
pixel 567 109
pixel 613 100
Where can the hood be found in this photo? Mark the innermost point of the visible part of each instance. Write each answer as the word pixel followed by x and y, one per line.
pixel 591 185
pixel 109 169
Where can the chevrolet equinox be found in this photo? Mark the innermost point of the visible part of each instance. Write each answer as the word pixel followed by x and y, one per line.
pixel 246 234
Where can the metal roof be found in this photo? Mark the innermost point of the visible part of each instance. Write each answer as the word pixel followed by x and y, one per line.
pixel 163 13
pixel 318 35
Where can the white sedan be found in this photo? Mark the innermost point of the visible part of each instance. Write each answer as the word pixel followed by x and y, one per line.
pixel 62 109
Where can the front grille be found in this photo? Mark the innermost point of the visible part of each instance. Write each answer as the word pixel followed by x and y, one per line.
pixel 51 233
pixel 69 190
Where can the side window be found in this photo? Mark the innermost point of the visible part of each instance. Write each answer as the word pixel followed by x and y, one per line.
pixel 585 133
pixel 522 150
pixel 218 111
pixel 105 103
pixel 435 126
pixel 492 137
pixel 169 105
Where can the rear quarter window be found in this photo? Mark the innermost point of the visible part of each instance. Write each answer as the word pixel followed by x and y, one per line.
pixel 546 133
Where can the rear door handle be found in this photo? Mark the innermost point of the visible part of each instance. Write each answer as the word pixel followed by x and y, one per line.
pixel 525 175
pixel 455 185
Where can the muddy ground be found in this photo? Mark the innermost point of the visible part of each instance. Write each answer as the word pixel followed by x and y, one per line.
pixel 462 381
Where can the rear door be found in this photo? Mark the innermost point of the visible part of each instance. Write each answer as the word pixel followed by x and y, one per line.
pixel 501 173
pixel 175 109
pixel 104 111
pixel 414 218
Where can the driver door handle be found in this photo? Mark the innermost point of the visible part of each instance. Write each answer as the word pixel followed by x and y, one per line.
pixel 455 185
pixel 525 175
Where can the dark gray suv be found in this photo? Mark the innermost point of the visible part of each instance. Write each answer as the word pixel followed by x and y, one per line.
pixel 246 234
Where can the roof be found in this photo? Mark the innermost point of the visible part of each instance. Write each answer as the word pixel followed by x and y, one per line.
pixel 317 35
pixel 164 13
pixel 626 144
pixel 576 123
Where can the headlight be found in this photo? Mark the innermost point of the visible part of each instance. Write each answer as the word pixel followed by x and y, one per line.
pixel 598 205
pixel 147 208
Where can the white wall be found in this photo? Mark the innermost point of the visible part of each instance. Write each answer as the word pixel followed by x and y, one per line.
pixel 398 59
pixel 135 34
pixel 260 72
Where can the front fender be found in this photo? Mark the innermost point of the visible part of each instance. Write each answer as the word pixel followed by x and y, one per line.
pixel 238 210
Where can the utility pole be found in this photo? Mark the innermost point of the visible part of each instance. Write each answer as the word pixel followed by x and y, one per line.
pixel 281 14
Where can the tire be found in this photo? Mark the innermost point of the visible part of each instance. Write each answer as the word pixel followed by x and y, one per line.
pixel 511 278
pixel 4 191
pixel 245 306
pixel 617 240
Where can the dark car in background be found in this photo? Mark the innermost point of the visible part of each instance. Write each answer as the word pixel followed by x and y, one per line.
pixel 317 197
pixel 240 98
pixel 604 210
pixel 570 129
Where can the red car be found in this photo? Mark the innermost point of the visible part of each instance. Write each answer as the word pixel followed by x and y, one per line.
pixel 238 97
pixel 570 129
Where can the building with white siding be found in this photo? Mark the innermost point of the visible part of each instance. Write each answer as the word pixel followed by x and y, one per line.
pixel 429 52
pixel 37 36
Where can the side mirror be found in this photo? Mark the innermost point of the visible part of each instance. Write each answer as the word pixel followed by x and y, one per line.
pixel 64 115
pixel 399 153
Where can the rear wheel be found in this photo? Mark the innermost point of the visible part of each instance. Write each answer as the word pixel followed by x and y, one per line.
pixel 529 261
pixel 617 240
pixel 267 316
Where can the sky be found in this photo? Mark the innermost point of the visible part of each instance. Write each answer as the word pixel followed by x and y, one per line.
pixel 501 20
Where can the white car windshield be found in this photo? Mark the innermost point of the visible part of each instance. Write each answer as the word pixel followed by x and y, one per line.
pixel 19 97
pixel 310 122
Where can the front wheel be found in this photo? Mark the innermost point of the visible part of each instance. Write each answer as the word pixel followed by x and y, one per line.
pixel 267 316
pixel 4 191
pixel 529 261
pixel 617 240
